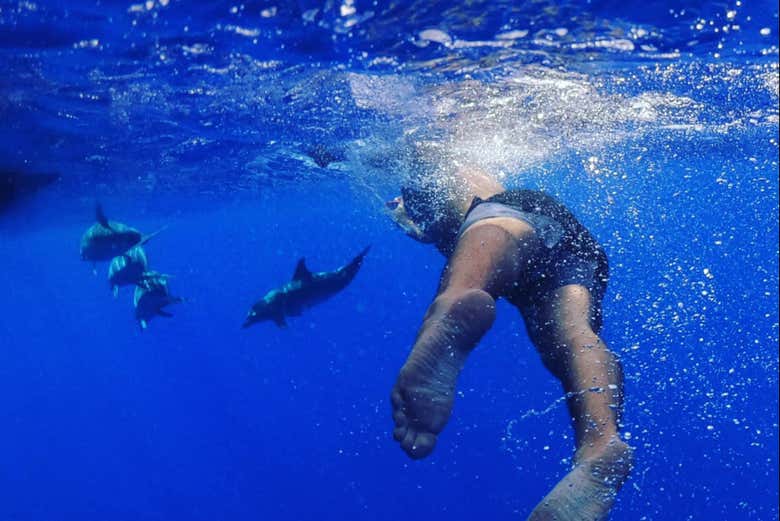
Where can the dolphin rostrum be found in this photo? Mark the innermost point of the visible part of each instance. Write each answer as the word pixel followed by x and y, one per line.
pixel 106 239
pixel 304 290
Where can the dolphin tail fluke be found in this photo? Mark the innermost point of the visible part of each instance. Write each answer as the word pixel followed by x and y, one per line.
pixel 146 238
pixel 354 265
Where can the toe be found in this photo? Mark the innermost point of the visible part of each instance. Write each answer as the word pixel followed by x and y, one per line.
pixel 408 440
pixel 423 445
pixel 400 420
pixel 396 399
pixel 417 445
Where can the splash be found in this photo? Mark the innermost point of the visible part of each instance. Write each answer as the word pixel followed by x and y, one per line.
pixel 519 122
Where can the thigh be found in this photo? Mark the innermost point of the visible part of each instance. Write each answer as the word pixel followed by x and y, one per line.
pixel 559 317
pixel 490 255
pixel 563 284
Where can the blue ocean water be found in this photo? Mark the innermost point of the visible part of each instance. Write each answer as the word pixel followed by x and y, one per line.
pixel 655 122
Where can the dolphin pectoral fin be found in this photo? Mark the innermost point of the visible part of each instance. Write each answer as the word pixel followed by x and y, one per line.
pixel 143 324
pixel 302 273
pixel 280 321
pixel 116 291
pixel 164 313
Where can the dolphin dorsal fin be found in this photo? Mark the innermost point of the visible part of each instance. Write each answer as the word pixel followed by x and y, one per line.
pixel 100 216
pixel 302 273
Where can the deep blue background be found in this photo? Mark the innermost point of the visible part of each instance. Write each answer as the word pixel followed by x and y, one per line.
pixel 197 419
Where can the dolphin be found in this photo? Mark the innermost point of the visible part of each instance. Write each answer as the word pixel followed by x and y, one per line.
pixel 127 268
pixel 151 296
pixel 106 239
pixel 304 290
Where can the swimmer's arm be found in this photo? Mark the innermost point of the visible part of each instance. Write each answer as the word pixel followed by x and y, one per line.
pixel 399 216
pixel 414 231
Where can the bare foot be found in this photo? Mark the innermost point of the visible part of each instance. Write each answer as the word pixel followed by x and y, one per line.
pixel 588 491
pixel 424 393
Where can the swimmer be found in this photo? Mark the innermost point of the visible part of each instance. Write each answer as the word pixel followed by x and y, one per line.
pixel 528 248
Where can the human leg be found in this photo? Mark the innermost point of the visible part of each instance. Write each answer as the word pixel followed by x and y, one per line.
pixel 592 378
pixel 486 260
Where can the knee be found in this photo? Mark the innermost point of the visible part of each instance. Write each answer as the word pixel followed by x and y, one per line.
pixel 471 311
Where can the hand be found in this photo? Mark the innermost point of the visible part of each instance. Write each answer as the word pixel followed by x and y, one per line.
pixel 398 214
